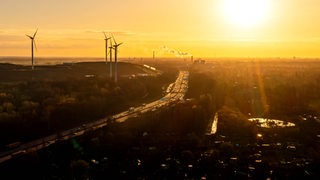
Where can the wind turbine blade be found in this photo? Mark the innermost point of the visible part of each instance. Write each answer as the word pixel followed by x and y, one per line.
pixel 114 40
pixel 105 35
pixel 35 33
pixel 29 36
pixel 35 45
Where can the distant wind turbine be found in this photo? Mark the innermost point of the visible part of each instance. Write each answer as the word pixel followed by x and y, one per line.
pixel 115 58
pixel 32 44
pixel 111 47
pixel 106 39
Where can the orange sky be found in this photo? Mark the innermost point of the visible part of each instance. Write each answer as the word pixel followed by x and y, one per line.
pixel 199 27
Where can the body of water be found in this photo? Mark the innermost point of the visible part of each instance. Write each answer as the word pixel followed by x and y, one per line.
pixel 271 123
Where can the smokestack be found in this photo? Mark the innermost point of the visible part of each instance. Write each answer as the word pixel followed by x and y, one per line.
pixel 191 58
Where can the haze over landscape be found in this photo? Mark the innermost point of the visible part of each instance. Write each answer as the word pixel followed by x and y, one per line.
pixel 206 28
pixel 141 89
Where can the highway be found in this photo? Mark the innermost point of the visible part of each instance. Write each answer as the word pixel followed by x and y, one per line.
pixel 174 94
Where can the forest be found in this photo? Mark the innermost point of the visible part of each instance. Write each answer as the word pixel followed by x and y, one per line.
pixel 55 98
pixel 172 142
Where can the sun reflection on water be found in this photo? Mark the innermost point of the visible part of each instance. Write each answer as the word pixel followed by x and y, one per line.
pixel 271 123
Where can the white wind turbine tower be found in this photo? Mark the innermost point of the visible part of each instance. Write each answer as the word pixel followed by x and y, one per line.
pixel 32 43
pixel 115 58
pixel 106 39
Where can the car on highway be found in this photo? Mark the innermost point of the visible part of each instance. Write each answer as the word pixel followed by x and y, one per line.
pixel 110 120
pixel 131 109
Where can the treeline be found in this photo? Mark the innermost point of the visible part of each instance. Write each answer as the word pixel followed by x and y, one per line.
pixel 135 148
pixel 170 142
pixel 264 89
pixel 269 89
pixel 35 108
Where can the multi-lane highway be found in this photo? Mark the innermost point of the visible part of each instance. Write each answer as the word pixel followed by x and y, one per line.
pixel 175 93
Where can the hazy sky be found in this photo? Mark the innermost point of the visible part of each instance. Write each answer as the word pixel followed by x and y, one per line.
pixel 200 27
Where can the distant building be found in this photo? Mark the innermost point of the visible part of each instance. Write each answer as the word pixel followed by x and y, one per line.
pixel 199 61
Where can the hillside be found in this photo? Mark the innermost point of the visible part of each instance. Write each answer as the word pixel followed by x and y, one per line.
pixel 14 73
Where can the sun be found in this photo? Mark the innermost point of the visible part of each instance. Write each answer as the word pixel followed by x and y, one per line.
pixel 246 13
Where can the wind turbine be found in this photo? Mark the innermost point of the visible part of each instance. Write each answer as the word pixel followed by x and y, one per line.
pixel 106 39
pixel 115 58
pixel 32 43
pixel 111 47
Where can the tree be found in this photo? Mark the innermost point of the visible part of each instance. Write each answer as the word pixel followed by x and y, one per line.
pixel 79 169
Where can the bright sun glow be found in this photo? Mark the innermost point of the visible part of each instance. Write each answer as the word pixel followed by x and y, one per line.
pixel 246 13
